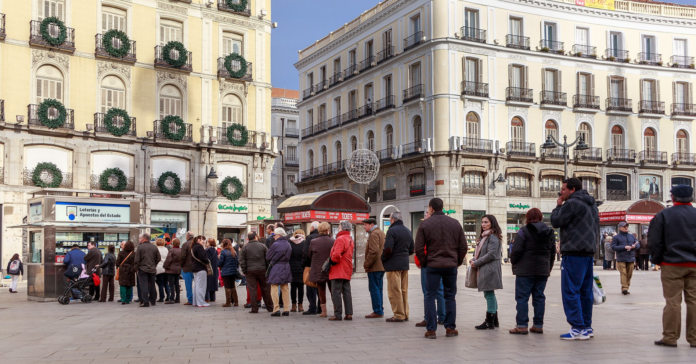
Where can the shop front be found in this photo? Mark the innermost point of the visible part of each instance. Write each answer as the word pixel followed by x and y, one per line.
pixel 471 223
pixel 231 220
pixel 168 224
pixel 637 213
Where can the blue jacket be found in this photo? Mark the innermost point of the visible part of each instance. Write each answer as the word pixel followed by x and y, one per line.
pixel 227 264
pixel 75 257
pixel 619 243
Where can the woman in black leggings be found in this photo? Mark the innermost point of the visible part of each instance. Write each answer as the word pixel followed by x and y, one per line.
pixel 297 286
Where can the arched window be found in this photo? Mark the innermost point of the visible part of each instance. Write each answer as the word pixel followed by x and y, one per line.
pixel 353 144
pixel 472 126
pixel 324 157
pixel 682 143
pixel 417 129
pixel 49 84
pixel 113 94
pixel 170 101
pixel 390 137
pixel 617 137
pixel 231 111
pixel 586 133
pixel 517 130
pixel 649 139
pixel 551 129
pixel 310 159
pixel 371 140
pixel 339 152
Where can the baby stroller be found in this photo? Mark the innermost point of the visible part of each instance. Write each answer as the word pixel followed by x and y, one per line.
pixel 78 285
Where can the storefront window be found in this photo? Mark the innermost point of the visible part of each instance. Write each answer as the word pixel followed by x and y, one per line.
pixel 35 247
pixel 171 225
pixel 590 185
pixel 472 227
pixel 617 187
pixel 416 218
pixel 66 240
pixel 686 181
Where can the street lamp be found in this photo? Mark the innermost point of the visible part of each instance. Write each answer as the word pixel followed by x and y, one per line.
pixel 552 143
pixel 211 176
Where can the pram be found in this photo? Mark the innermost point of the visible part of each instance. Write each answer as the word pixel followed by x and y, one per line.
pixel 77 288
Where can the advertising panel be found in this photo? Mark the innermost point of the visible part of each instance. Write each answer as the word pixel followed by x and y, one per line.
pixel 92 212
pixel 325 216
pixel 597 4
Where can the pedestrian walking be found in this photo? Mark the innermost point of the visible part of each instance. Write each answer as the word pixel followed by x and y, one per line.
pixel 373 266
pixel 312 292
pixel 14 269
pixel 147 256
pixel 125 265
pixel 486 260
pixel 199 268
pixel 341 272
pixel 643 254
pixel 252 259
pixel 319 252
pixel 609 253
pixel 440 248
pixel 577 216
pixel 186 263
pixel 228 265
pixel 213 280
pixel 161 278
pixel 398 246
pixel 532 261
pixel 297 286
pixel 671 241
pixel 93 259
pixel 280 275
pixel 172 268
pixel 108 268
pixel 625 246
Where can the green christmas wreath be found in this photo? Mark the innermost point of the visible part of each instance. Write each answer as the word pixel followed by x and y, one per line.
pixel 242 65
pixel 183 54
pixel 238 188
pixel 237 6
pixel 109 121
pixel 168 133
pixel 163 187
pixel 50 168
pixel 43 113
pixel 104 180
pixel 56 41
pixel 109 47
pixel 244 135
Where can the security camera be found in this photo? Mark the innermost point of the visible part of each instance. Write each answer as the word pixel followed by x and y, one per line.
pixel 275 25
pixel 263 13
pixel 209 4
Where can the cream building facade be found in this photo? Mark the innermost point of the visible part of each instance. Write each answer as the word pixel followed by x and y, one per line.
pixel 286 128
pixel 82 75
pixel 456 99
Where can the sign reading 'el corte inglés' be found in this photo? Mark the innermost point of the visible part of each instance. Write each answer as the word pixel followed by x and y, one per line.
pixel 88 212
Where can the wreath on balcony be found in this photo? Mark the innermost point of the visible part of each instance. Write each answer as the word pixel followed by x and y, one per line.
pixel 244 135
pixel 55 41
pixel 52 169
pixel 121 184
pixel 42 114
pixel 237 6
pixel 238 188
pixel 109 122
pixel 166 124
pixel 242 65
pixel 109 46
pixel 176 188
pixel 183 54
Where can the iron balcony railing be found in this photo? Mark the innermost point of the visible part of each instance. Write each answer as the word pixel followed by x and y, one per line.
pixel 94 182
pixel 549 192
pixel 236 66
pixel 365 110
pixel 321 86
pixel 307 132
pixel 413 40
pixel 28 179
pixel 473 189
pixel 411 149
pixel 684 109
pixel 33 116
pixel 371 196
pixel 618 195
pixel 652 157
pixel 335 167
pixel 2 27
pixel 621 155
pixel 682 61
pixel 586 102
pixel 653 59
pixel 173 128
pixel 473 34
pixel 100 125
pixel 35 37
pixel 174 54
pixel 651 107
pixel 551 46
pixel 521 149
pixel 350 71
pixel 306 174
pixel 519 94
pixel 222 6
pixel 517 42
pixel 292 132
pixel 334 122
pixel 388 195
pixel 185 186
pixel 2 110
pixel 251 140
pixel 367 63
pixel 2 176
pixel 619 104
pixel 417 190
pixel 593 154
pixel 292 162
pixel 555 153
pixel 336 78
pixel 476 145
pixel 414 93
pixel 385 54
pixel 617 55
pixel 386 155
pixel 584 51
pixel 321 127
pixel 518 191
pixel 100 51
pixel 554 98
pixel 349 117
pixel 308 93
pixel 471 88
pixel 684 158
pixel 384 104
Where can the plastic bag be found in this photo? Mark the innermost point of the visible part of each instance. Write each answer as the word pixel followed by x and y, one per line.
pixel 597 291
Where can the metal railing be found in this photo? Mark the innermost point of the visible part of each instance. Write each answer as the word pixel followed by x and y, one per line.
pixel 473 34
pixel 548 192
pixel 251 140
pixel 94 182
pixel 621 155
pixel 555 153
pixel 652 157
pixel 553 98
pixel 617 55
pixel 411 149
pixel 413 40
pixel 321 127
pixel 335 167
pixel 100 51
pixel 384 104
pixel 517 42
pixel 308 93
pixel 349 117
pixel 160 62
pixel 185 186
pixel 521 149
pixel 28 179
pixel 653 59
pixel 471 88
pixel 2 176
pixel 618 195
pixel 235 66
pixel 651 107
pixel 336 78
pixel 222 6
pixel 414 93
pixel 518 191
pixel 385 54
pixel 292 133
pixel 371 196
pixel 35 37
pixel 307 132
pixel 367 63
pixel 388 195
pixel 2 110
pixel 619 104
pixel 321 86
pixel 473 189
pixel 684 109
pixel 2 26
pixel 593 154
pixel 417 190
pixel 33 117
pixel 350 71
pixel 476 145
pixel 292 162
pixel 159 134
pixel 684 158
pixel 519 94
pixel 334 122
pixel 586 102
pixel 365 110
pixel 551 46
pixel 682 61
pixel 100 124
pixel 386 155
pixel 584 51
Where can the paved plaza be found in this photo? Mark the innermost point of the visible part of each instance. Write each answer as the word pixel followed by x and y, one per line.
pixel 104 333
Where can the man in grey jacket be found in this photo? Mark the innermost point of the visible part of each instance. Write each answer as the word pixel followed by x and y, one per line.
pixel 625 245
pixel 146 258
pixel 252 260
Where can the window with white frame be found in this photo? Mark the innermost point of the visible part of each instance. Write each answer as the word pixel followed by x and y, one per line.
pixel 649 140
pixel 310 159
pixel 52 8
pixel 232 43
pixel 417 129
pixel 113 94
pixel 472 126
pixel 390 138
pixel 518 181
pixel 371 140
pixel 551 183
pixel 390 182
pixel 415 74
pixel 472 179
pixel 681 94
pixel 551 129
pixel 682 143
pixel 170 102
pixel 617 137
pixel 414 24
pixel 170 30
pixel 650 90
pixel 324 156
pixel 517 128
pixel 339 152
pixel 292 153
pixel 585 133
pixel 49 84
pixel 113 18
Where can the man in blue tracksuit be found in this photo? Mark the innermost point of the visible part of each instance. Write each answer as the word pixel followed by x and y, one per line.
pixel 578 218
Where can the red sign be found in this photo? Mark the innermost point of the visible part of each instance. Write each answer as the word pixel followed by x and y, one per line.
pixel 639 218
pixel 612 213
pixel 612 218
pixel 325 216
pixel 580 2
pixel 59 258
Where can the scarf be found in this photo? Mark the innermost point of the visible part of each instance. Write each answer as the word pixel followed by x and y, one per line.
pixel 298 239
pixel 479 245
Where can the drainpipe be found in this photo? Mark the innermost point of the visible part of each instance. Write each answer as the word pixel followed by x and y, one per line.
pixel 144 148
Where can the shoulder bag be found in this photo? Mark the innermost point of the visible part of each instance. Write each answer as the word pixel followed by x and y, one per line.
pixel 326 267
pixel 305 278
pixel 118 270
pixel 208 267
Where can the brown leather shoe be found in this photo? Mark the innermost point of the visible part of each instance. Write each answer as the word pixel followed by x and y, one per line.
pixel 451 332
pixel 373 315
pixel 422 324
pixel 519 331
pixel 348 318
pixel 188 304
pixel 662 343
pixel 430 335
pixel 394 319
pixel 334 318
pixel 536 330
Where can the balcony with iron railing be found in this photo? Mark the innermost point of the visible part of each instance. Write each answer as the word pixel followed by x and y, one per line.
pixel 476 89
pixel 621 155
pixel 618 195
pixel 518 191
pixel 235 66
pixel 2 111
pixel 292 132
pixel 231 189
pixel 371 196
pixel 223 6
pixel 553 98
pixel 118 122
pixel 2 27
pixel 53 113
pixel 551 46
pixel 365 111
pixel 306 174
pixel 47 178
pixel 417 190
pixel 549 192
pixel 35 37
pixel 350 72
pixel 174 54
pixel 617 55
pixel 100 51
pixel 518 94
pixel 321 127
pixel 292 162
pixel 473 188
pixel 619 104
pixel 334 122
pixel 555 153
pixel 584 51
pixel 682 61
pixel 413 40
pixel 95 182
pixel 411 149
pixel 653 157
pixel 308 132
pixel 336 78
pixel 389 195
pixel 335 167
pixel 586 102
pixel 651 107
pixel 589 155
pixel 2 176
pixel 414 93
pixel 473 34
pixel 308 93
pixel 349 117
pixel 174 129
pixel 477 146
pixel 321 86
pixel 684 159
pixel 652 59
pixel 367 63
pixel 254 139
pixel 688 110
pixel 384 104
pixel 385 54
pixel 521 149
pixel 517 42
pixel 386 155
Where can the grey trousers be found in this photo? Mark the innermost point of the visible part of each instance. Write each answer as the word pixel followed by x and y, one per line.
pixel 341 287
pixel 200 286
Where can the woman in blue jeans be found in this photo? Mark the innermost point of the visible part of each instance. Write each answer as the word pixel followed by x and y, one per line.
pixel 486 260
pixel 532 259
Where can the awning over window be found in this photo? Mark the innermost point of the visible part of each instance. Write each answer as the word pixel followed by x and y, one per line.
pixel 481 169
pixel 334 200
pixel 520 170
pixel 551 172
pixel 591 174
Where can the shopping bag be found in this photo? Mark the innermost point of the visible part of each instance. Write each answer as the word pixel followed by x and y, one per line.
pixel 471 277
pixel 597 291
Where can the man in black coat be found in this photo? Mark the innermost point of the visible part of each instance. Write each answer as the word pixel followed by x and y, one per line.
pixel 269 235
pixel 398 246
pixel 93 259
pixel 312 293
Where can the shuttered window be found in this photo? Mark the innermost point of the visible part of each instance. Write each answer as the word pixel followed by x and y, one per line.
pixel 170 102
pixel 51 8
pixel 170 31
pixel 231 111
pixel 113 18
pixel 113 94
pixel 49 84
pixel 231 43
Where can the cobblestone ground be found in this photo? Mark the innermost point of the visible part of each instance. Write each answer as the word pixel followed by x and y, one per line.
pixel 625 328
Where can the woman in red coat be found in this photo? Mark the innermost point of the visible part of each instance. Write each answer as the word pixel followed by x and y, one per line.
pixel 340 273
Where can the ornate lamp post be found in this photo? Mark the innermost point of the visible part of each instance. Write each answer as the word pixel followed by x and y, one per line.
pixel 552 143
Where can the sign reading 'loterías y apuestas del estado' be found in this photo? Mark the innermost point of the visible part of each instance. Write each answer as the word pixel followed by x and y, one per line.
pixel 88 212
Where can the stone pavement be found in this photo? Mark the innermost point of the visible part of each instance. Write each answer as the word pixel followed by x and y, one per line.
pixel 105 333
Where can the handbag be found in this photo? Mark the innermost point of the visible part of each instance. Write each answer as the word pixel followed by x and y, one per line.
pixel 118 270
pixel 305 278
pixel 326 267
pixel 471 277
pixel 208 267
pixel 268 270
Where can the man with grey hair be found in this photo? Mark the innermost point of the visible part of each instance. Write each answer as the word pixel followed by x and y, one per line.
pixel 341 272
pixel 398 246
pixel 186 263
pixel 312 292
pixel 147 256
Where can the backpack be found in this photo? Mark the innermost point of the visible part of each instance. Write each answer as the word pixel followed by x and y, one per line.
pixel 14 267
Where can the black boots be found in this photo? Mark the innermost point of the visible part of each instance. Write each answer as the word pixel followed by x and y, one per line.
pixel 488 324
pixel 495 319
